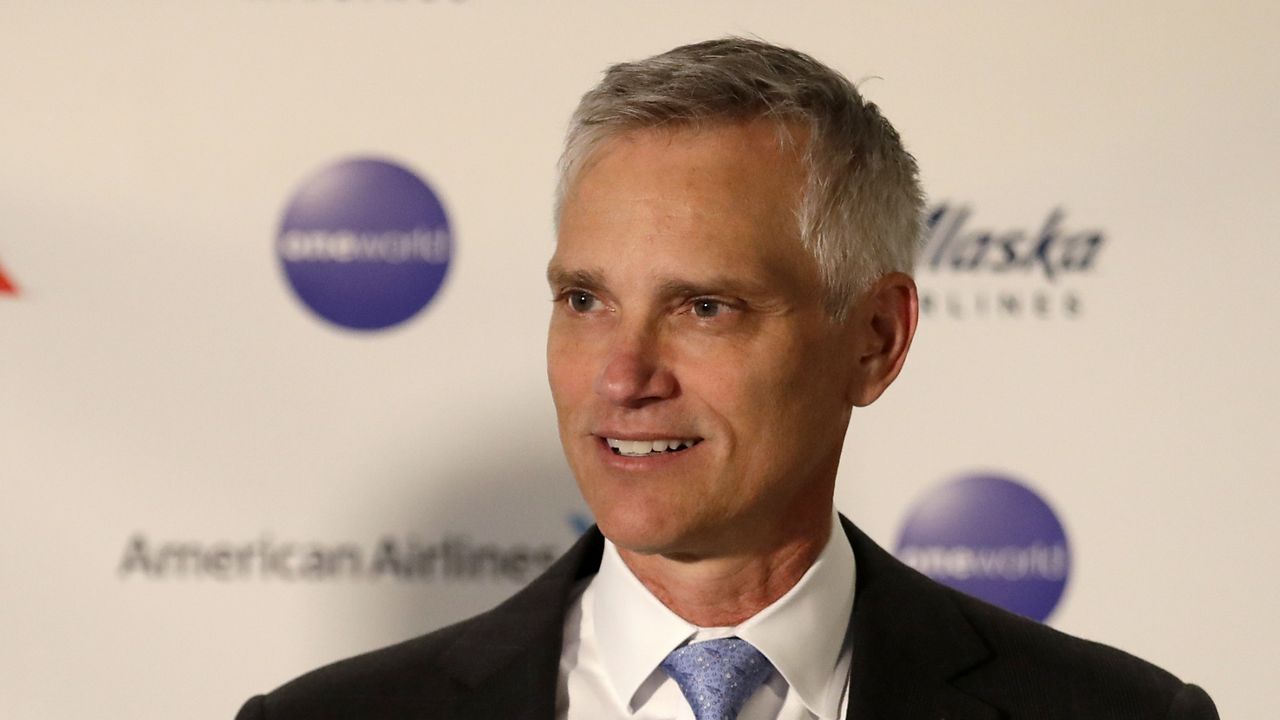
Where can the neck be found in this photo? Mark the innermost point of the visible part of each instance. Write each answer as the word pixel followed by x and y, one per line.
pixel 726 589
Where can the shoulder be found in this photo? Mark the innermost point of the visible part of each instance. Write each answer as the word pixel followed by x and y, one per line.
pixel 1033 668
pixel 395 681
pixel 435 675
pixel 914 631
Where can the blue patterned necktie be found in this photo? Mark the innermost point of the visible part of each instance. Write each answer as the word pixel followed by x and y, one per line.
pixel 717 676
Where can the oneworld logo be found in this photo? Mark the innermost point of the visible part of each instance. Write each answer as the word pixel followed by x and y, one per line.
pixel 977 270
pixel 992 537
pixel 365 243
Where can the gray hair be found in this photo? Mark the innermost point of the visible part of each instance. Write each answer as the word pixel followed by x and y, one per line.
pixel 860 216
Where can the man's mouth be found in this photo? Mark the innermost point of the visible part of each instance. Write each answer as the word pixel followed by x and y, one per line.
pixel 642 448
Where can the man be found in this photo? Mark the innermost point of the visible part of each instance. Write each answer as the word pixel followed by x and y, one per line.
pixel 735 229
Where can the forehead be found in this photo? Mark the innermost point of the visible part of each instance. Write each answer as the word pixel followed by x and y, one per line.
pixel 723 194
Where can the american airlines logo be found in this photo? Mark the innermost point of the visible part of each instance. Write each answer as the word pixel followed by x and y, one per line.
pixel 401 557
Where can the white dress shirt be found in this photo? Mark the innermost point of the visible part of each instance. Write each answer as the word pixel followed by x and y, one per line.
pixel 616 633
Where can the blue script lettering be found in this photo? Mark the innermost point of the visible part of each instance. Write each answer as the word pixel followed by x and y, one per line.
pixel 952 246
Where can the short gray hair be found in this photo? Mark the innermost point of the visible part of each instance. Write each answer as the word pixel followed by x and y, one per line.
pixel 862 206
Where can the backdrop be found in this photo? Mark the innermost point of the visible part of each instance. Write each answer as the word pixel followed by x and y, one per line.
pixel 272 324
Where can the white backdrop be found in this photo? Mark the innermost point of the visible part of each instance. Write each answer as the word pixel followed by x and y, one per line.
pixel 160 383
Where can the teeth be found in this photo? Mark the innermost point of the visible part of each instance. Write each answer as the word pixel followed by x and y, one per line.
pixel 640 448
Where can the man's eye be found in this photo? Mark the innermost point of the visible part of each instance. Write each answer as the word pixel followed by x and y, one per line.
pixel 707 308
pixel 581 301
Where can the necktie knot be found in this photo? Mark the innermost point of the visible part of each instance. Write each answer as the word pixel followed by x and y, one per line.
pixel 717 676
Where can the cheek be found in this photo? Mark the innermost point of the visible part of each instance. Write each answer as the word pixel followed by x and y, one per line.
pixel 745 398
pixel 566 369
pixel 772 402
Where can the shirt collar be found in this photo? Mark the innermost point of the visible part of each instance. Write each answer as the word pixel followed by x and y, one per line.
pixel 802 633
pixel 633 629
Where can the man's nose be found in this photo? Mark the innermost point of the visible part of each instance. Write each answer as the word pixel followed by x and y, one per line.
pixel 635 373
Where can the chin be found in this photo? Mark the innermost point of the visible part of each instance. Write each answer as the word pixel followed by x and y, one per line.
pixel 646 530
pixel 644 514
pixel 657 530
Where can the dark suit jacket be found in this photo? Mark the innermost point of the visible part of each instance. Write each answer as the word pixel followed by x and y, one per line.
pixel 920 650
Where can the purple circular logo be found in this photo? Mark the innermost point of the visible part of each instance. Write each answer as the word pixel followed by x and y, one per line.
pixel 991 537
pixel 365 243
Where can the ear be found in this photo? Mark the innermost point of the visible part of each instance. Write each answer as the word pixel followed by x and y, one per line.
pixel 881 326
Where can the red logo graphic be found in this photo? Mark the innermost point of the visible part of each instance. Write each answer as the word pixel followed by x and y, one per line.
pixel 6 285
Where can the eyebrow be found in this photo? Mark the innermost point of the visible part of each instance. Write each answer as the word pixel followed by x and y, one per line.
pixel 719 285
pixel 558 277
pixel 593 280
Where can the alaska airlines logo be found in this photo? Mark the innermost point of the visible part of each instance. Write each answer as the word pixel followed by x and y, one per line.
pixel 953 246
pixel 978 271
pixel 7 286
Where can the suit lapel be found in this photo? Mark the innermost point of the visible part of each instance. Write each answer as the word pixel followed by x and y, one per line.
pixel 509 665
pixel 909 642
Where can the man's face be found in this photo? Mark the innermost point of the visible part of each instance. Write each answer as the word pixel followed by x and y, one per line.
pixel 688 316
